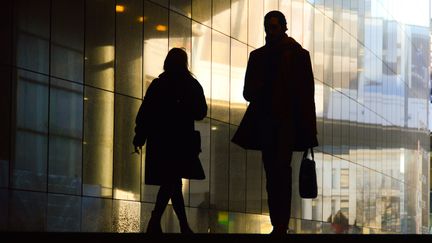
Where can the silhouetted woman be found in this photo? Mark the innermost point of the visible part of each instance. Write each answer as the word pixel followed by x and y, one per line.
pixel 165 122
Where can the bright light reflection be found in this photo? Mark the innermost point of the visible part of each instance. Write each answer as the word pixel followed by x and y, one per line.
pixel 161 27
pixel 120 8
pixel 406 12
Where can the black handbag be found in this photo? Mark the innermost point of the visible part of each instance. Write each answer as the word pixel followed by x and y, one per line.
pixel 307 179
pixel 193 168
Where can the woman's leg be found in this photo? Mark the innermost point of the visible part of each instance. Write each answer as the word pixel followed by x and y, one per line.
pixel 163 196
pixel 179 207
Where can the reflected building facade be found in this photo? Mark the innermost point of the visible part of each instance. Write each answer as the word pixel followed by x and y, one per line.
pixel 74 74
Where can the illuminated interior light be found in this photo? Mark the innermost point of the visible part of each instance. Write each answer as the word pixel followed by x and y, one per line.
pixel 120 8
pixel 142 19
pixel 161 27
pixel 214 128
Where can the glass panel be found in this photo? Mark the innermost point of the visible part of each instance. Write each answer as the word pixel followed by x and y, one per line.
pixel 352 192
pixel 220 76
pixel 296 200
pixel 237 176
pixel 337 57
pixel 155 41
pixel 354 18
pixel 181 6
pixel 29 170
pixel 201 68
pixel 221 16
pixel 254 179
pixel 128 52
pixel 308 28
pixel 297 20
pixel 65 137
pixel 353 131
pixel 31 35
pixel 319 110
pixel 180 30
pixel 28 211
pixel 160 2
pixel 126 216
pixel 346 7
pixel 238 68
pixel 264 194
pixel 285 6
pixel 200 189
pixel 58 218
pixel 127 165
pixel 6 30
pixel 328 51
pixel 239 16
pixel 201 11
pixel 327 130
pixel 337 11
pixel 219 165
pixel 99 44
pixel 5 124
pixel 98 142
pixel 201 57
pixel 67 36
pixel 256 23
pixel 318 35
pixel 327 187
pixel 328 4
pixel 96 215
pixel 4 209
pixel 317 203
pixel 270 5
pixel 335 116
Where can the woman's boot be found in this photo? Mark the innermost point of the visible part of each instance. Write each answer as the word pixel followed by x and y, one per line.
pixel 154 224
pixel 184 227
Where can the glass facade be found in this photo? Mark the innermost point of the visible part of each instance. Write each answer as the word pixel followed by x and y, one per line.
pixel 75 71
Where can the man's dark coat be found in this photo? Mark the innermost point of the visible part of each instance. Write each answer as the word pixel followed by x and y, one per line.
pixel 290 100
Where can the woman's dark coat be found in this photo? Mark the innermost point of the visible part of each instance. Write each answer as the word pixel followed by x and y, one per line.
pixel 165 121
pixel 289 100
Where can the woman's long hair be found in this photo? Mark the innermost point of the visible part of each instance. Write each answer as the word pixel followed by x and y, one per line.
pixel 176 61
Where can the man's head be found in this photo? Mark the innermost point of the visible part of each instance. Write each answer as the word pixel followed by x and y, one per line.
pixel 275 25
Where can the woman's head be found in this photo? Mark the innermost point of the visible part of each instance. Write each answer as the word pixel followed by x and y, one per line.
pixel 176 61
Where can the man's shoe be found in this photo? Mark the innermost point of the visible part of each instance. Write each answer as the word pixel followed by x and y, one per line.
pixel 279 230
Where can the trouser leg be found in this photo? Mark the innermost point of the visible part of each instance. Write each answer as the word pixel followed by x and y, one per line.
pixel 277 165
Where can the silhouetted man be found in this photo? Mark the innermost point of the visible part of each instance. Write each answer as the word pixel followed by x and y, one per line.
pixel 281 117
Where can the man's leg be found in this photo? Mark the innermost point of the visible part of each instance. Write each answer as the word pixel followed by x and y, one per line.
pixel 284 171
pixel 268 158
pixel 277 165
